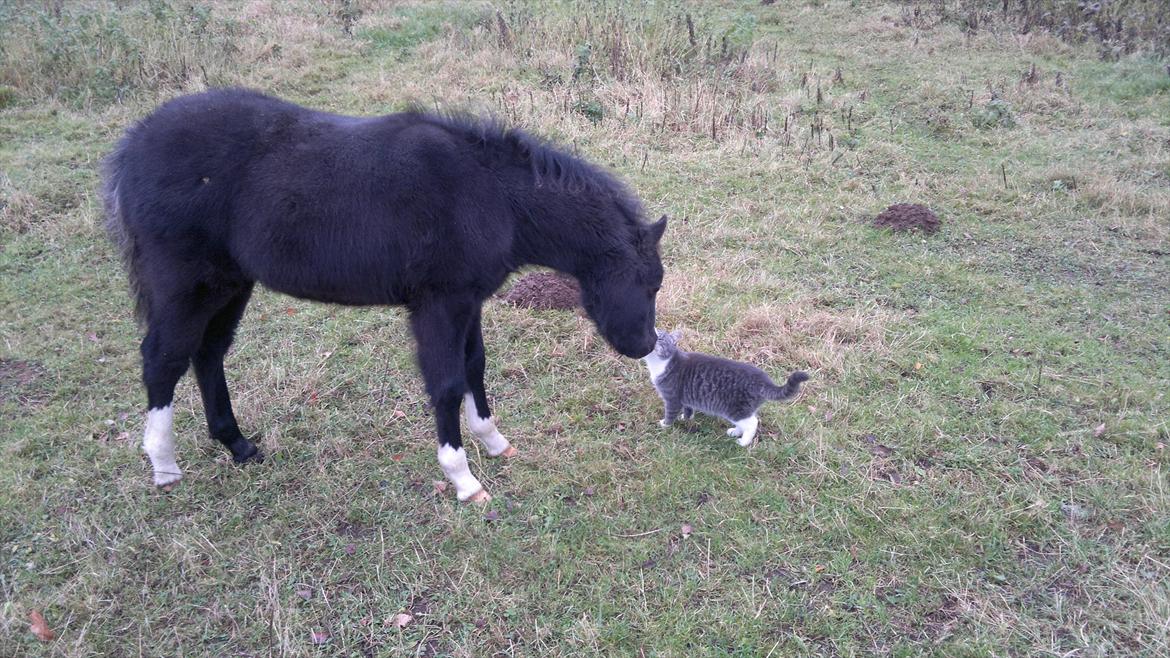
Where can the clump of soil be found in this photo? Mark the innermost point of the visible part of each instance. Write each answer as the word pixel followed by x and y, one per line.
pixel 544 291
pixel 907 217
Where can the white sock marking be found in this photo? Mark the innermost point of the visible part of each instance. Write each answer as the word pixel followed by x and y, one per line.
pixel 746 430
pixel 454 464
pixel 484 429
pixel 159 444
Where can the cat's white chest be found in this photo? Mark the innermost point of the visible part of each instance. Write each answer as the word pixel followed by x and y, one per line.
pixel 656 365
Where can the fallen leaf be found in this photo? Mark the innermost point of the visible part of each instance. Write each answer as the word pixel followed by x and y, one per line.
pixel 588 491
pixel 876 448
pixel 40 627
pixel 319 637
pixel 687 529
pixel 1099 430
pixel 1159 446
pixel 401 620
pixel 819 568
pixel 493 515
pixel 440 486
pixel 396 458
pixel 350 549
pixel 92 337
pixel 292 311
pixel 398 413
pixel 918 365
pixel 305 594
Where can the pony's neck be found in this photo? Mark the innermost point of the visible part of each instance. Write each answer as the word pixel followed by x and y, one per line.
pixel 556 230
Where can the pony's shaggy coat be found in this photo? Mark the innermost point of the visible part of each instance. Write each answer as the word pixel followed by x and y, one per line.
pixel 216 191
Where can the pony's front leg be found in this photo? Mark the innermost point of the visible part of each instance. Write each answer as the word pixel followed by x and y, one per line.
pixel 475 404
pixel 440 328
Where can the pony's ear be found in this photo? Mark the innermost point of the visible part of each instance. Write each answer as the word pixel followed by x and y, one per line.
pixel 657 229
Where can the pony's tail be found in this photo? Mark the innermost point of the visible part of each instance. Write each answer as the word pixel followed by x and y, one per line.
pixel 790 387
pixel 117 230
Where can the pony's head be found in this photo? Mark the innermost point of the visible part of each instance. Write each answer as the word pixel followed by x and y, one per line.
pixel 619 290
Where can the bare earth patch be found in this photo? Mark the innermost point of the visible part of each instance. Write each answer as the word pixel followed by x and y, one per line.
pixel 19 382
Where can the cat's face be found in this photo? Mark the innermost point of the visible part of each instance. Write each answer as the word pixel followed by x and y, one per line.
pixel 667 344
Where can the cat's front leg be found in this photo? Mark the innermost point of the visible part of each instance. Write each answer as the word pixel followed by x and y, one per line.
pixel 672 413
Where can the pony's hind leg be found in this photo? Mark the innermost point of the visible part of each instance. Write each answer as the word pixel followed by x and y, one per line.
pixel 208 362
pixel 440 327
pixel 166 353
pixel 475 404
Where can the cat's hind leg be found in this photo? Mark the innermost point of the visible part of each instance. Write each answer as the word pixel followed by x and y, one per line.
pixel 745 430
pixel 687 413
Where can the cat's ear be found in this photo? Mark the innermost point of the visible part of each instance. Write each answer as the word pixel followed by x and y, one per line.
pixel 657 229
pixel 676 335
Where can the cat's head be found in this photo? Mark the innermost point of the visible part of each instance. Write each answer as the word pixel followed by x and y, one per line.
pixel 667 344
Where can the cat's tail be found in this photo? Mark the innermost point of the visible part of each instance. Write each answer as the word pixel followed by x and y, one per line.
pixel 790 387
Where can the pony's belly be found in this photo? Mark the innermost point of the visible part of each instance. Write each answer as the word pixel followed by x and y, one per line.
pixel 347 297
pixel 348 290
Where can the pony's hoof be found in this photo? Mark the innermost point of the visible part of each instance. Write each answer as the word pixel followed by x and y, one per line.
pixel 246 452
pixel 481 497
pixel 510 452
pixel 167 481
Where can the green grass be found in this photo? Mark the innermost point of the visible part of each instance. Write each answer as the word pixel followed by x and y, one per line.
pixel 978 466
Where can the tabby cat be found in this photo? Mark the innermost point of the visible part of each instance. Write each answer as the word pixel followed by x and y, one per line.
pixel 690 382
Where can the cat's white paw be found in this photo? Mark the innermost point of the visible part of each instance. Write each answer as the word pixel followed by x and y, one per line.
pixel 662 423
pixel 746 430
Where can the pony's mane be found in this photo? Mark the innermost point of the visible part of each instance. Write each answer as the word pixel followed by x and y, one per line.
pixel 551 165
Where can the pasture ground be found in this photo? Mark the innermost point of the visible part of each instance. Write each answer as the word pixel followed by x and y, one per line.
pixel 978 466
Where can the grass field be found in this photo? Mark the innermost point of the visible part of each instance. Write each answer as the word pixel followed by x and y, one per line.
pixel 977 468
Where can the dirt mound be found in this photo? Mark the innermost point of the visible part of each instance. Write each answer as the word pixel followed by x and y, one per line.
pixel 544 291
pixel 907 217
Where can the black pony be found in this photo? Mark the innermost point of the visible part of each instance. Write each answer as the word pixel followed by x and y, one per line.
pixel 216 191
